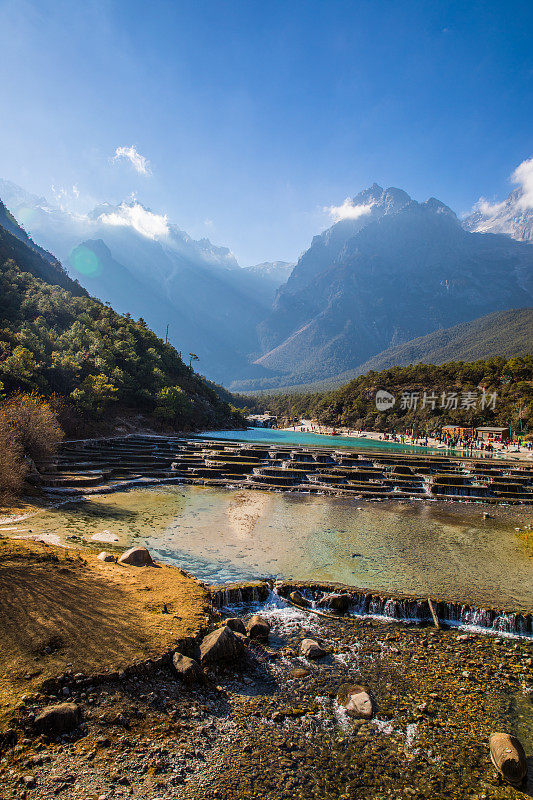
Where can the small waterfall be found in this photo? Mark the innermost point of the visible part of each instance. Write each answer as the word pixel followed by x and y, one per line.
pixel 413 609
pixel 238 595
pixel 376 607
pixel 392 608
pixel 505 623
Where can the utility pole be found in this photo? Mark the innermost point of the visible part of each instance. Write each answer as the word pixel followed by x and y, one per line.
pixel 166 335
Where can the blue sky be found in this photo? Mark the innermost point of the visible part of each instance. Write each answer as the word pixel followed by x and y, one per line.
pixel 254 116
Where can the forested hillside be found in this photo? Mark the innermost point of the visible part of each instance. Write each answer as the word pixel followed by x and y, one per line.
pixel 88 358
pixel 492 391
pixel 15 244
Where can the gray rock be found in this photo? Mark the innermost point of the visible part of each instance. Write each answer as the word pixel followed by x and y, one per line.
pixel 103 556
pixel 187 669
pixel 310 648
pixel 220 646
pixel 338 603
pixel 236 624
pixel 136 557
pixel 355 700
pixel 59 718
pixel 257 628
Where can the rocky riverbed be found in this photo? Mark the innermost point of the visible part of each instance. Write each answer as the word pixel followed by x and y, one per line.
pixel 269 724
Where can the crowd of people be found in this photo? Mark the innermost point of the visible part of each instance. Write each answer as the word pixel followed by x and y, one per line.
pixel 453 441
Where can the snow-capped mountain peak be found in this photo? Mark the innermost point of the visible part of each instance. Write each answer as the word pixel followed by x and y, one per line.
pixel 514 215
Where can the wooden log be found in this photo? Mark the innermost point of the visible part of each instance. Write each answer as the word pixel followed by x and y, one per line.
pixel 433 614
pixel 508 757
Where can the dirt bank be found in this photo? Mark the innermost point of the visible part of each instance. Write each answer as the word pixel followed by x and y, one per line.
pixel 61 609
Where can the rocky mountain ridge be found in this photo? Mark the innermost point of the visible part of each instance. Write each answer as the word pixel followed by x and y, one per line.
pixel 390 270
pixel 399 270
pixel 513 217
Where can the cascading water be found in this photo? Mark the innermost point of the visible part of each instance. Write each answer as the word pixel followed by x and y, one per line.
pixel 417 610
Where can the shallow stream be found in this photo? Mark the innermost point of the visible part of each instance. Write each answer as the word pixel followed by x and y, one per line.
pixel 440 549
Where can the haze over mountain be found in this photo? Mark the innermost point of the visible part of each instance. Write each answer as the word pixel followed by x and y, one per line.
pixel 391 270
pixel 16 245
pixel 275 272
pixel 148 267
pixel 58 341
pixel 506 334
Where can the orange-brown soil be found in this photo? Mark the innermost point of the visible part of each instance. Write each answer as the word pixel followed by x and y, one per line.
pixel 60 609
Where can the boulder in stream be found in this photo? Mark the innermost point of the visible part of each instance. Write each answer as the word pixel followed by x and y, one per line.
pixel 337 603
pixel 298 599
pixel 236 624
pixel 310 648
pixel 355 700
pixel 220 646
pixel 258 628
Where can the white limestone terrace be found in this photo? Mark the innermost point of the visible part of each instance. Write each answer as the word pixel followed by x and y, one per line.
pixel 96 465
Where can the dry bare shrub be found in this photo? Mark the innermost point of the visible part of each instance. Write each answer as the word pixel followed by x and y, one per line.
pixel 29 430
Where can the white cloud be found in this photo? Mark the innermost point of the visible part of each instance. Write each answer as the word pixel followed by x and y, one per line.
pixel 139 218
pixel 523 175
pixel 139 162
pixel 488 209
pixel 348 210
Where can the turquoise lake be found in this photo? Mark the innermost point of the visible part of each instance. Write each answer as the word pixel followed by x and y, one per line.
pixel 274 436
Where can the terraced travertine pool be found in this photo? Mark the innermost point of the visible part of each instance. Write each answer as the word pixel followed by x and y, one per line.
pixel 440 549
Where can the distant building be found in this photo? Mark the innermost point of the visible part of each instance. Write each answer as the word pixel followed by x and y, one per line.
pixel 494 433
pixel 266 420
pixel 457 430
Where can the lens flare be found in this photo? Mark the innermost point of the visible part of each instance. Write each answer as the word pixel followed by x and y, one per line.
pixel 26 216
pixel 85 261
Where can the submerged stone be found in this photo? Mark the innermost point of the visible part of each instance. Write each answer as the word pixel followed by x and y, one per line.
pixel 299 672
